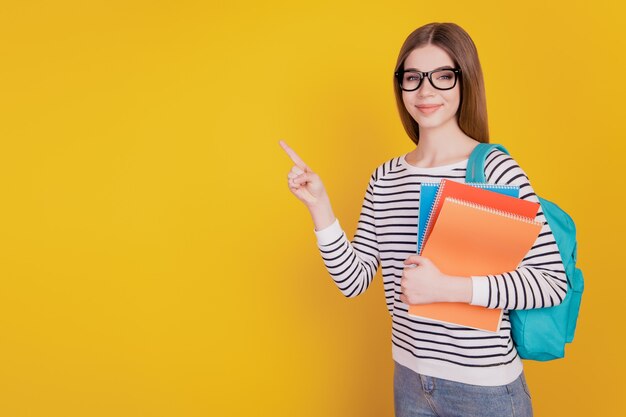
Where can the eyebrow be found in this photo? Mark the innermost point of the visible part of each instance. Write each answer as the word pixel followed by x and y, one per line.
pixel 438 68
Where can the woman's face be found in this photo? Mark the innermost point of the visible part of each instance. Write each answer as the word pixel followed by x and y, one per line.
pixel 430 107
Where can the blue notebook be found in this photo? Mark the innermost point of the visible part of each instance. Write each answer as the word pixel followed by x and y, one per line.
pixel 428 195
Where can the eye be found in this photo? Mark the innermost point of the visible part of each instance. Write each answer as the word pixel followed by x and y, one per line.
pixel 444 75
pixel 412 76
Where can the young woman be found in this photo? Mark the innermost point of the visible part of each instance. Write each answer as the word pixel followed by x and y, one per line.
pixel 440 369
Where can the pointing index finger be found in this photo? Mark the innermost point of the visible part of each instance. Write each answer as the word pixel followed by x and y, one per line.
pixel 293 155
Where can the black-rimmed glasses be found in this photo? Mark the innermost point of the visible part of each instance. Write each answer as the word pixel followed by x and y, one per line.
pixel 441 79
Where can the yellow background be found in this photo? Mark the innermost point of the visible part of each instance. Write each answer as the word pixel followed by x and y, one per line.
pixel 152 259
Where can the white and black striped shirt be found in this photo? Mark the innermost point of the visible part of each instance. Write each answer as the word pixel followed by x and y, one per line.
pixel 387 234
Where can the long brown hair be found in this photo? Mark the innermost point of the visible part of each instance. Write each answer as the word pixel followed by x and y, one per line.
pixel 472 112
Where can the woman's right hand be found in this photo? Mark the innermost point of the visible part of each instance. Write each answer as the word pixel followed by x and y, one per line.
pixel 303 182
pixel 307 186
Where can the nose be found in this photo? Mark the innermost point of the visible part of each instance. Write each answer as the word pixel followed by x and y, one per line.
pixel 426 89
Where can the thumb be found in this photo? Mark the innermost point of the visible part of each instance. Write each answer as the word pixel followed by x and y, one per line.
pixel 415 260
pixel 304 178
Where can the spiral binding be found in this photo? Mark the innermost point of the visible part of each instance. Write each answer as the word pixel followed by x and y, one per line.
pixel 484 185
pixel 481 185
pixel 487 209
pixel 430 216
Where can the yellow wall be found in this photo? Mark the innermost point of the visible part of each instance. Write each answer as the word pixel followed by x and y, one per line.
pixel 152 259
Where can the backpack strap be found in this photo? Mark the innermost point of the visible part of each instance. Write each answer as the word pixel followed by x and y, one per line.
pixel 476 164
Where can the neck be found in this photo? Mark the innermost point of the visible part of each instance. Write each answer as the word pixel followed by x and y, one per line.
pixel 442 146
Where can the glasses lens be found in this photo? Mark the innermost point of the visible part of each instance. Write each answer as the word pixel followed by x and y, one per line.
pixel 410 80
pixel 443 79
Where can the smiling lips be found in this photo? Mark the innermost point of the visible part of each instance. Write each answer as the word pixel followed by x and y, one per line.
pixel 428 108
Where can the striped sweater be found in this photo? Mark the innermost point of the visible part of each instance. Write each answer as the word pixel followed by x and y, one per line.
pixel 387 234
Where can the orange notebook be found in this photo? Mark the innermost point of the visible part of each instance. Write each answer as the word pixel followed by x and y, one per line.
pixel 480 196
pixel 470 239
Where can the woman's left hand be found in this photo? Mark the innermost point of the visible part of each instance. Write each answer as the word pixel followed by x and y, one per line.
pixel 423 283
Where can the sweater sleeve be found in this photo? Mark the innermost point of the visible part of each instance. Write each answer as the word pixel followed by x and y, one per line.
pixel 352 265
pixel 540 280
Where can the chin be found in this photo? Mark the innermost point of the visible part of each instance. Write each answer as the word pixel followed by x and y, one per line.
pixel 433 123
pixel 430 124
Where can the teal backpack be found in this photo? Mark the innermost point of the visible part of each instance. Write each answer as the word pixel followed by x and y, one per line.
pixel 541 334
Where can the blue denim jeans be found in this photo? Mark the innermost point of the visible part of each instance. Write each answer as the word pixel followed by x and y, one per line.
pixel 418 395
